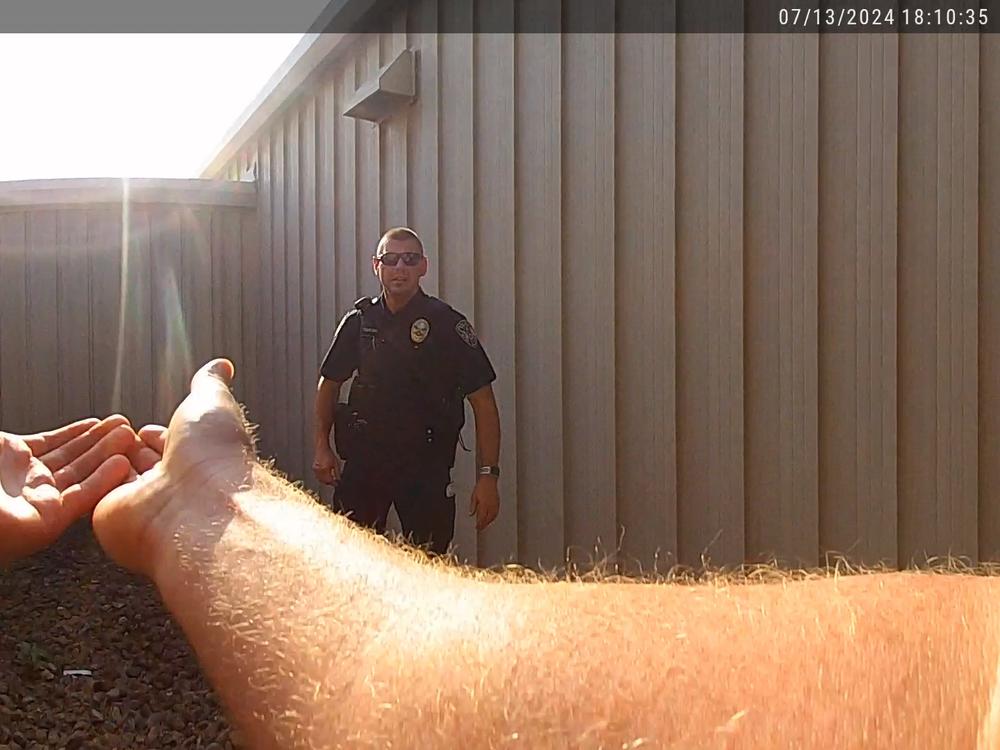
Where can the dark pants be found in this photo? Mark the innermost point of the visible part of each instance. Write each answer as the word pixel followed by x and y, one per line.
pixel 425 511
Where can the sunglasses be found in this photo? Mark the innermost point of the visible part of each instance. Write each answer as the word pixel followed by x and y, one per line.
pixel 391 259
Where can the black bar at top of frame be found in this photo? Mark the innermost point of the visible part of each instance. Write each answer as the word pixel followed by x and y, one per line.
pixel 501 16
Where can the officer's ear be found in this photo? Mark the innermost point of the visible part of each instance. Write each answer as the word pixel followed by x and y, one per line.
pixel 375 266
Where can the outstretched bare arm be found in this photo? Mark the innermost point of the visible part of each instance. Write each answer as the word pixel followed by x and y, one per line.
pixel 319 634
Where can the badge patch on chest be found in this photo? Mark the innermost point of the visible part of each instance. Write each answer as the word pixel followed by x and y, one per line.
pixel 419 330
pixel 467 333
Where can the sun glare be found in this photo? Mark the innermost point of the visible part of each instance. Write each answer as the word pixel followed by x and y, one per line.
pixel 126 105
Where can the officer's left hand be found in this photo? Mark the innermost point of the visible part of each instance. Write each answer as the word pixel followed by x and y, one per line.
pixel 485 502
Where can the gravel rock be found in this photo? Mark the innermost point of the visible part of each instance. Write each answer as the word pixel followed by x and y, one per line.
pixel 72 608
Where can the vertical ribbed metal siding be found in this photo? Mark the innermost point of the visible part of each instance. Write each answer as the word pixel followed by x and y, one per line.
pixel 989 300
pixel 729 283
pixel 858 295
pixel 94 320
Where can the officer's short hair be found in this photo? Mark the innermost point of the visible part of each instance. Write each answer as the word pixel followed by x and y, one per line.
pixel 398 233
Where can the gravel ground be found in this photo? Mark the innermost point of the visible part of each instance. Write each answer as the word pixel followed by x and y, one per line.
pixel 71 608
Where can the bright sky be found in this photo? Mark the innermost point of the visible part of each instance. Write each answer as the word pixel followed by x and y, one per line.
pixel 126 105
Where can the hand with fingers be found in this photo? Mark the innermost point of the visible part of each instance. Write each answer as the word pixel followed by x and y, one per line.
pixel 50 479
pixel 485 502
pixel 206 446
pixel 326 465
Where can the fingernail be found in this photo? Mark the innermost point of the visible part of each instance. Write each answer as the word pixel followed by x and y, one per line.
pixel 223 368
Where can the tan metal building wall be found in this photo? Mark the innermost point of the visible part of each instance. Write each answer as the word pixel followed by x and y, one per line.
pixel 741 291
pixel 96 320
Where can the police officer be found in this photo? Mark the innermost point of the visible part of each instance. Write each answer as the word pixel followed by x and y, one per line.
pixel 416 359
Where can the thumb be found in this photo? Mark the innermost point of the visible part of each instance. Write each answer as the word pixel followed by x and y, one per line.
pixel 209 391
pixel 212 376
pixel 209 415
pixel 473 504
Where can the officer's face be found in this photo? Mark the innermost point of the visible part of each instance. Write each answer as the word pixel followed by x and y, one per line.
pixel 400 280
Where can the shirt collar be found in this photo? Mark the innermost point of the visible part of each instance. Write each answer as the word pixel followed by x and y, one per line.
pixel 415 301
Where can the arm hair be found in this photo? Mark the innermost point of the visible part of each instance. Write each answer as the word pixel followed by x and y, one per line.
pixel 317 633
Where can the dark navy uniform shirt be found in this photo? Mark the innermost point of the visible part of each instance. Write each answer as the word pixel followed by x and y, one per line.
pixel 421 357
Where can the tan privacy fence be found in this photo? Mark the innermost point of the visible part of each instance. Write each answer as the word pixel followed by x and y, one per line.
pixel 111 292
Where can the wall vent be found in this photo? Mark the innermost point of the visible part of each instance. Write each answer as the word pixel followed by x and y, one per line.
pixel 393 88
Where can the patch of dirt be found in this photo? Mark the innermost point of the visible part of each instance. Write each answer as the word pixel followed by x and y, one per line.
pixel 72 608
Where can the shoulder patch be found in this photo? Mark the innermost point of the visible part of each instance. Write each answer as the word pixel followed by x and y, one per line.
pixel 467 333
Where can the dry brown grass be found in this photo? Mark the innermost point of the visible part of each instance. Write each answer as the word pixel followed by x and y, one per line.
pixel 608 571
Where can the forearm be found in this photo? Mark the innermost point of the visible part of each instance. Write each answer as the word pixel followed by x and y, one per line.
pixel 317 633
pixel 327 393
pixel 887 661
pixel 488 443
pixel 487 418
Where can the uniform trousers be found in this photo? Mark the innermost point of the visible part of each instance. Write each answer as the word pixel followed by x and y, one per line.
pixel 423 498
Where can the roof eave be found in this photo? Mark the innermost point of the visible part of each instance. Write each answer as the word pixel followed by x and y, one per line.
pixel 310 54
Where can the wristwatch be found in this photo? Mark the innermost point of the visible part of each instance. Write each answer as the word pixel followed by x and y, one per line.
pixel 486 471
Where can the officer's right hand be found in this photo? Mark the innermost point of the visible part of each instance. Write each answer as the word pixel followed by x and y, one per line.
pixel 326 465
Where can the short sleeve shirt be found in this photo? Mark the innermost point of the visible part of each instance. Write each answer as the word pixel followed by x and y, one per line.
pixel 434 334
